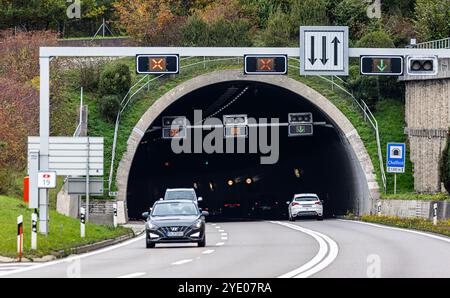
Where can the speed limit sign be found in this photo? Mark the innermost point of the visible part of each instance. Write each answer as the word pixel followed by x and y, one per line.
pixel 47 180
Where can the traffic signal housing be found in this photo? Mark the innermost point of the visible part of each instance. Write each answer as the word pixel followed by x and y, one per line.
pixel 157 64
pixel 300 124
pixel 422 66
pixel 266 64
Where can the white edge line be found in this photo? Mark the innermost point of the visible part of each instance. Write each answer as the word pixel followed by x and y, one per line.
pixel 220 243
pixel 76 257
pixel 398 229
pixel 131 275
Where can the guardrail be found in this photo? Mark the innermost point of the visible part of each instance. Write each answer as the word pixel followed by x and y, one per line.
pixel 443 43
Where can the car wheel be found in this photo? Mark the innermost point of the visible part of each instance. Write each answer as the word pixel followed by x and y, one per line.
pixel 202 243
pixel 290 218
pixel 150 244
pixel 320 218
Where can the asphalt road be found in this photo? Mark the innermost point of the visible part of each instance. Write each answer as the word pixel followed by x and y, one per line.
pixel 306 248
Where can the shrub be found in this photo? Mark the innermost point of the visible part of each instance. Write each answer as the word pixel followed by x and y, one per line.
pixel 195 32
pixel 115 79
pixel 89 77
pixel 109 107
pixel 278 30
pixel 444 165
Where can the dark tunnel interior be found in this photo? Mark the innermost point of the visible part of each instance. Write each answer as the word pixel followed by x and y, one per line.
pixel 237 185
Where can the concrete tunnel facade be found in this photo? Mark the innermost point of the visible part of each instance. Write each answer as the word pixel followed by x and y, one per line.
pixel 365 186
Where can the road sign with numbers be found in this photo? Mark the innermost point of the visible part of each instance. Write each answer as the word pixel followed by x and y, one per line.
pixel 324 50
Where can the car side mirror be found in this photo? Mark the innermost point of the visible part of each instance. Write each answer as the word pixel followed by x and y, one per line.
pixel 200 199
pixel 205 213
pixel 161 199
pixel 145 215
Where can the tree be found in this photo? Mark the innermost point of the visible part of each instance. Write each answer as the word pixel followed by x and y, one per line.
pixel 149 22
pixel 370 88
pixel 352 13
pixel 432 19
pixel 308 13
pixel 195 32
pixel 115 79
pixel 444 165
pixel 278 31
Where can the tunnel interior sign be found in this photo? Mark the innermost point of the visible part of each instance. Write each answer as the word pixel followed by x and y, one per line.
pixel 395 158
pixel 265 64
pixel 382 65
pixel 157 64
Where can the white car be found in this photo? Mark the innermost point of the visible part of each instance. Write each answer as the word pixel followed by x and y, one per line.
pixel 182 194
pixel 307 204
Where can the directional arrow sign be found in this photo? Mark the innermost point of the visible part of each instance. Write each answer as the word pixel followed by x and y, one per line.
pixel 381 65
pixel 329 44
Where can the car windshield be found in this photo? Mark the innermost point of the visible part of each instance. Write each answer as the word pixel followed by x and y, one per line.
pixel 180 195
pixel 305 199
pixel 179 208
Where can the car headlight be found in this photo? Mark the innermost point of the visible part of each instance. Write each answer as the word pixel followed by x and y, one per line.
pixel 197 224
pixel 151 226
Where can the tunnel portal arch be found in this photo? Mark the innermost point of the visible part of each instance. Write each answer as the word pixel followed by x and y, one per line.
pixel 366 184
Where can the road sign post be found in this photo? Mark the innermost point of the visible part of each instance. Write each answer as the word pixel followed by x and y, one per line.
pixel 379 208
pixel 435 209
pixel 324 50
pixel 34 231
pixel 20 236
pixel 395 160
pixel 82 222
pixel 115 215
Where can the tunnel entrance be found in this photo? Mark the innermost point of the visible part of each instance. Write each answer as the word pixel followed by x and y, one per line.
pixel 238 185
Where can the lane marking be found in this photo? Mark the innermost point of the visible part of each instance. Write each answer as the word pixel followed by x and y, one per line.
pixel 224 238
pixel 213 224
pixel 132 275
pixel 398 229
pixel 224 234
pixel 181 262
pixel 77 257
pixel 207 252
pixel 220 243
pixel 217 227
pixel 328 251
pixel 221 230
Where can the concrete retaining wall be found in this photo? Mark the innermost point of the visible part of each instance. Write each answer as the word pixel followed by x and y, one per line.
pixel 100 211
pixel 413 208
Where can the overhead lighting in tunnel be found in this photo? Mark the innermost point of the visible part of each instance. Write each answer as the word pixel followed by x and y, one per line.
pixel 211 186
pixel 195 184
pixel 297 172
pixel 167 164
pixel 230 182
pixel 249 180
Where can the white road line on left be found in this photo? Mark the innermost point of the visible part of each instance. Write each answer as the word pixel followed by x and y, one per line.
pixel 132 275
pixel 181 262
pixel 220 243
pixel 77 257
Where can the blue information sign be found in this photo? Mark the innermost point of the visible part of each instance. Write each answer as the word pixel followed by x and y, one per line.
pixel 395 158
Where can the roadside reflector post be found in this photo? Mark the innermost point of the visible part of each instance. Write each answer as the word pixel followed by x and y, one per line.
pixel 26 189
pixel 34 219
pixel 82 222
pixel 379 208
pixel 20 237
pixel 115 215
pixel 435 208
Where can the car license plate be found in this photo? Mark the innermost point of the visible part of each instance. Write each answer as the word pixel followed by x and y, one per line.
pixel 175 234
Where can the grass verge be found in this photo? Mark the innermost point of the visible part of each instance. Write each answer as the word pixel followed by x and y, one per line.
pixel 416 196
pixel 64 231
pixel 420 224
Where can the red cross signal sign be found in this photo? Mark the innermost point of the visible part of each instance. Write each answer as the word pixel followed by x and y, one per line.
pixel 47 180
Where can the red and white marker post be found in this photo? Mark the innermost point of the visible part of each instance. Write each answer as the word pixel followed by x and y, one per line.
pixel 20 236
